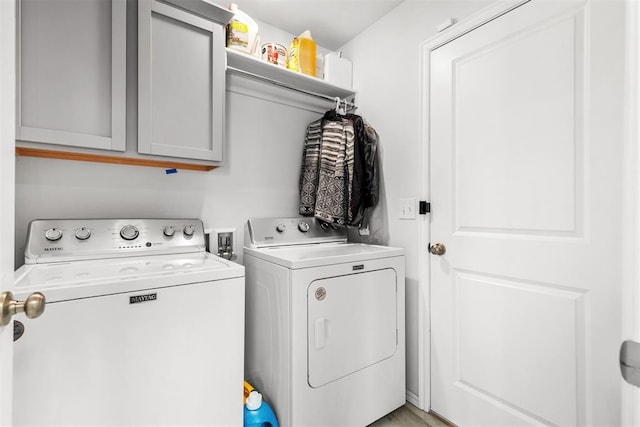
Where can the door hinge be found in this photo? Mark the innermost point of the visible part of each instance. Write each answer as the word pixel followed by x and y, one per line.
pixel 424 208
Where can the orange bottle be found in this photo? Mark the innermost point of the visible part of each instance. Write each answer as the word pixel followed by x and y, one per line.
pixel 302 54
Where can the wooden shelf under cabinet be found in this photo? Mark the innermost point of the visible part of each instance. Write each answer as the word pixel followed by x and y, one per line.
pixel 99 158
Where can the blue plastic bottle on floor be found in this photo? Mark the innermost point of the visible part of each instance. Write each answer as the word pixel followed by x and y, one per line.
pixel 258 413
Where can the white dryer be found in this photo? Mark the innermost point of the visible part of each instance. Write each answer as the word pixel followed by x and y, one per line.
pixel 325 323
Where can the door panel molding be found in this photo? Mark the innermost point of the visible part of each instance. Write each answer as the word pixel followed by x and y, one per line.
pixel 538 150
pixel 514 350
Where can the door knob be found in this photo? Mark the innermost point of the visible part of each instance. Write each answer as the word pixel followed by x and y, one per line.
pixel 437 249
pixel 32 307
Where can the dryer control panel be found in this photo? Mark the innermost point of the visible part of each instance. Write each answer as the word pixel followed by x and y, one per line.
pixel 53 240
pixel 266 232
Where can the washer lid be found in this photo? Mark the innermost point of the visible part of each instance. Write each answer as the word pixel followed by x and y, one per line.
pixel 305 256
pixel 82 279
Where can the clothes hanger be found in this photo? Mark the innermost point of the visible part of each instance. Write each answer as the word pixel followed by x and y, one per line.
pixel 339 108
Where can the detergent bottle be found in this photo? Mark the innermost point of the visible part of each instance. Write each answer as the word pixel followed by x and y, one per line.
pixel 258 413
pixel 302 54
pixel 242 32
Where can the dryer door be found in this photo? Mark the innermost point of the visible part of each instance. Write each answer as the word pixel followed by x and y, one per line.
pixel 351 323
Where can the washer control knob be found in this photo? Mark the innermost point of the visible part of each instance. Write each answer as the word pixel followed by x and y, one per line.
pixel 169 231
pixel 129 232
pixel 280 228
pixel 53 234
pixel 303 226
pixel 189 230
pixel 83 233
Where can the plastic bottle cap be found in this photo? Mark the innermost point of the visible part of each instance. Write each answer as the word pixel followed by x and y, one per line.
pixel 254 401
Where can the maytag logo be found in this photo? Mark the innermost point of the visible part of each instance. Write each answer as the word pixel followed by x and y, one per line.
pixel 53 248
pixel 142 298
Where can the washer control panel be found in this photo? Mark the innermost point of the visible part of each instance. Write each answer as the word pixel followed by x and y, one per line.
pixel 53 240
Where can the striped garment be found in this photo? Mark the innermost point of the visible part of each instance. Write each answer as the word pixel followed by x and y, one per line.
pixel 309 175
pixel 337 173
pixel 333 196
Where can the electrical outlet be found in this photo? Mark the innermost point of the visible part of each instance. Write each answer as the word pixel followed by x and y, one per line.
pixel 407 209
pixel 222 242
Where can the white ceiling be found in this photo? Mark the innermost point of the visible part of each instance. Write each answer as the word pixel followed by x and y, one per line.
pixel 332 22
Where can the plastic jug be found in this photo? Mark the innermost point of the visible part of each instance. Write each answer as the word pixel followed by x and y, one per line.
pixel 302 54
pixel 242 32
pixel 258 413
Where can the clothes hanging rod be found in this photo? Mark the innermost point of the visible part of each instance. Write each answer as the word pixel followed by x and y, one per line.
pixel 350 105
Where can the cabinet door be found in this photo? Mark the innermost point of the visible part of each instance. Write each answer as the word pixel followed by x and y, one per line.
pixel 72 73
pixel 181 83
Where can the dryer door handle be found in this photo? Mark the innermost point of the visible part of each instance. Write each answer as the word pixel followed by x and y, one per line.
pixel 320 335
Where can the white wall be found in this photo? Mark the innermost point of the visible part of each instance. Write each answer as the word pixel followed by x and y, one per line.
pixel 386 61
pixel 259 178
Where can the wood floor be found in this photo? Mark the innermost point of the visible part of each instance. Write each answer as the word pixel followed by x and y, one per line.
pixel 409 416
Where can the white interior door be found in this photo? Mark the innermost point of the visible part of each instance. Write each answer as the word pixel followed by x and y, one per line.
pixel 7 165
pixel 526 151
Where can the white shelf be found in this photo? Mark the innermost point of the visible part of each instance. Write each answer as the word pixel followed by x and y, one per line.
pixel 254 67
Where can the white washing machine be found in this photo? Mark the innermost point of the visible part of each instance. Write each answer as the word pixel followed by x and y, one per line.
pixel 141 326
pixel 325 323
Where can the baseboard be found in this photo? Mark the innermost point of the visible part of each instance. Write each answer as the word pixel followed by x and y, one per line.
pixel 413 399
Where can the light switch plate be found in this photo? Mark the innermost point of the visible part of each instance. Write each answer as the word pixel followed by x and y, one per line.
pixel 407 209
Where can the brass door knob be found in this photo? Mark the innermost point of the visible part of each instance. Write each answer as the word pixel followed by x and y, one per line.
pixel 32 307
pixel 437 249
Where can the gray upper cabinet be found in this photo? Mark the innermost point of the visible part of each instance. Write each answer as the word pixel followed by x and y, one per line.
pixel 72 73
pixel 181 78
